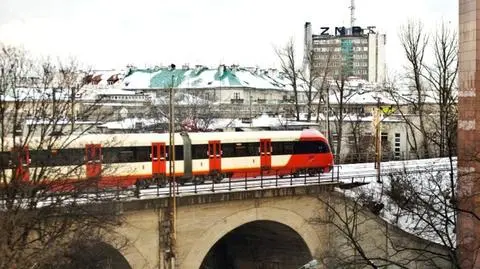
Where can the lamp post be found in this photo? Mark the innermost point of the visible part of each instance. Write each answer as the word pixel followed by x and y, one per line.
pixel 172 191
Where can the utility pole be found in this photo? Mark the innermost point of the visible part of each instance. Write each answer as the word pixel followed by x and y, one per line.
pixel 327 116
pixel 378 139
pixel 172 191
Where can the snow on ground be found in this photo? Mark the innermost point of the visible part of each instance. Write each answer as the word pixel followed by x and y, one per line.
pixel 419 200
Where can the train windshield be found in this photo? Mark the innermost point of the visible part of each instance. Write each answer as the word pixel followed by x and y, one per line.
pixel 307 147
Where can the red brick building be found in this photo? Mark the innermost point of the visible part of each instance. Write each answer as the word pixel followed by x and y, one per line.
pixel 468 226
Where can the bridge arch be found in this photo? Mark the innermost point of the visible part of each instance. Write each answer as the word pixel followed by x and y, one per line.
pixel 222 227
pixel 98 254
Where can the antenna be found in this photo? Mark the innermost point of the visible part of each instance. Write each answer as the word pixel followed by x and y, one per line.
pixel 352 13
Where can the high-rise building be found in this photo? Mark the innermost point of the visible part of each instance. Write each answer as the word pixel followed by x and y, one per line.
pixel 346 51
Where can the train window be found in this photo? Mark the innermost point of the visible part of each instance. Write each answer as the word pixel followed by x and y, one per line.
pixel 68 157
pixel 178 152
pixel 142 154
pixel 277 148
pixel 40 158
pixel 241 150
pixel 125 156
pixel 323 147
pixel 307 147
pixel 4 160
pixel 228 150
pixel 199 151
pixel 56 157
pixel 253 149
pixel 287 148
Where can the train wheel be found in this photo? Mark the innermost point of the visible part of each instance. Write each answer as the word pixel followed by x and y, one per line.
pixel 198 179
pixel 216 177
pixel 161 182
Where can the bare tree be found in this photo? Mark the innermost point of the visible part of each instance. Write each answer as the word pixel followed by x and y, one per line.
pixel 43 186
pixel 289 67
pixel 442 78
pixel 361 239
pixel 361 148
pixel 342 94
pixel 193 109
pixel 310 79
pixel 323 91
pixel 414 42
pixel 195 113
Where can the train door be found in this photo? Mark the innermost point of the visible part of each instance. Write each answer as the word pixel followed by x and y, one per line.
pixel 21 159
pixel 158 156
pixel 215 155
pixel 93 154
pixel 265 154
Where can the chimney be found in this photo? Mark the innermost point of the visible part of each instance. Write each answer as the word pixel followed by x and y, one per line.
pixel 221 69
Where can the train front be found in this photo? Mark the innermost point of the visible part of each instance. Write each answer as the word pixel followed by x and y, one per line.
pixel 319 157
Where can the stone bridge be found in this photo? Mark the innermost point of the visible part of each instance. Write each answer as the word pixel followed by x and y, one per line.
pixel 275 228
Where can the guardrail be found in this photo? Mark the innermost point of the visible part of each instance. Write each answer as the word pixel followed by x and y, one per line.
pixel 341 174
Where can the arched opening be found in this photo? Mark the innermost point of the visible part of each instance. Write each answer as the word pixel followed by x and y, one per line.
pixel 258 244
pixel 96 255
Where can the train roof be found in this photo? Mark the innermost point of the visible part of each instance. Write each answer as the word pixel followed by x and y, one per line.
pixel 146 139
pixel 233 137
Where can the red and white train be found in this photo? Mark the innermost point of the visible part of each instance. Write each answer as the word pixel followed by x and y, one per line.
pixel 142 159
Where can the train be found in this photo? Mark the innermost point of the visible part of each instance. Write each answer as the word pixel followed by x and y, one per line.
pixel 126 160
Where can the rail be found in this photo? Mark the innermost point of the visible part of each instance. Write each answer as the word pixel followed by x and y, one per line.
pixel 341 174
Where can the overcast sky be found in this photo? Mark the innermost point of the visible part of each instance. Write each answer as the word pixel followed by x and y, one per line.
pixel 113 33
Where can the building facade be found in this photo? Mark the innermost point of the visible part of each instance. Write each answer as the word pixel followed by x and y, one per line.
pixel 468 228
pixel 346 52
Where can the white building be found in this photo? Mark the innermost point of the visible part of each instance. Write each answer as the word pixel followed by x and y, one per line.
pixel 352 51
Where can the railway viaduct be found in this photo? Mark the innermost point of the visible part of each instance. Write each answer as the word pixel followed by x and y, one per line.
pixel 270 228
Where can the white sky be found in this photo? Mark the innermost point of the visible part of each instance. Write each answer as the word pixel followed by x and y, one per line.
pixel 114 33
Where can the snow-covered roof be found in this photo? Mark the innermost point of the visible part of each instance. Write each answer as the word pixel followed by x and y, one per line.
pixel 362 97
pixel 204 77
pixel 130 123
pixel 35 94
pixel 258 122
pixel 103 78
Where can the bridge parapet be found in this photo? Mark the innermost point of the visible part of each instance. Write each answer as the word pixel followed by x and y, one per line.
pixel 234 195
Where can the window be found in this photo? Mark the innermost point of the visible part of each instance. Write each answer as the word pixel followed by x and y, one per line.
pixel 228 150
pixel 397 146
pixel 178 152
pixel 384 137
pixel 199 151
pixel 57 157
pixel 240 149
pixel 236 95
pixel 307 147
pixel 126 154
pixel 277 148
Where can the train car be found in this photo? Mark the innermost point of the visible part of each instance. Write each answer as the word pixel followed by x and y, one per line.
pixel 125 160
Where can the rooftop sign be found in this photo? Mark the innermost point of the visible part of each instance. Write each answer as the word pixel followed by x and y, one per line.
pixel 347 31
